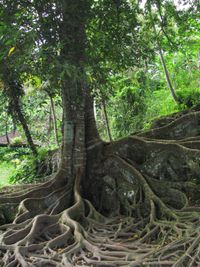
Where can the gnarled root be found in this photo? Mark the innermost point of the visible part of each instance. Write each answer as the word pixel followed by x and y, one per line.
pixel 141 208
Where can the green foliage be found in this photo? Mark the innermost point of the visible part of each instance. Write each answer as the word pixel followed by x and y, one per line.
pixel 10 158
pixel 137 97
pixel 36 102
pixel 8 154
pixel 189 97
pixel 25 171
pixel 18 140
pixel 27 168
pixel 18 165
pixel 6 170
pixel 126 104
pixel 159 103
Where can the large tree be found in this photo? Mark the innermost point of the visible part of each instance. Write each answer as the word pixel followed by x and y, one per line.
pixel 132 202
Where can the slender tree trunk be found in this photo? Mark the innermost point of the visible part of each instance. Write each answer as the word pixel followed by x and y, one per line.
pixel 54 120
pixel 106 120
pixel 14 91
pixel 25 127
pixel 7 137
pixel 198 64
pixel 167 76
pixel 50 121
pixel 14 126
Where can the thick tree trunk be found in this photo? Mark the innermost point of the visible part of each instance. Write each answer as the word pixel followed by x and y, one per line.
pixel 80 135
pixel 92 135
pixel 73 147
pixel 74 89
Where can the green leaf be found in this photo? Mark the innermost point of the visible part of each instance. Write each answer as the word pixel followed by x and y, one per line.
pixel 11 51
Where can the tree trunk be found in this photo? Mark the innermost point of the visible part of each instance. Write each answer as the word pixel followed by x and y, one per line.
pixel 106 120
pixel 73 147
pixel 74 87
pixel 54 120
pixel 50 121
pixel 25 127
pixel 7 137
pixel 92 135
pixel 13 91
pixel 167 76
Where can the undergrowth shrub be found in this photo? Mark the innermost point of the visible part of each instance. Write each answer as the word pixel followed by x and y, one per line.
pixel 189 97
pixel 27 168
pixel 18 140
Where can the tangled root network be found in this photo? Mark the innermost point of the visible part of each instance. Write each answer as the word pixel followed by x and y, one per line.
pixel 137 204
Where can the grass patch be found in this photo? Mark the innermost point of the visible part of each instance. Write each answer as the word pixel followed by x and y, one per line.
pixel 6 170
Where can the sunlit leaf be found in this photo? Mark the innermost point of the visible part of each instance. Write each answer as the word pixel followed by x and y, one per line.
pixel 11 51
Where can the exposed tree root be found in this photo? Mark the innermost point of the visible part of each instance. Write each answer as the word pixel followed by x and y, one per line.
pixel 139 207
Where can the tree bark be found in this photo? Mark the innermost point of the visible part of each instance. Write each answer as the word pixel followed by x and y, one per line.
pixel 106 120
pixel 74 86
pixel 54 120
pixel 92 135
pixel 13 91
pixel 7 137
pixel 73 147
pixel 167 76
pixel 25 127
pixel 50 121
